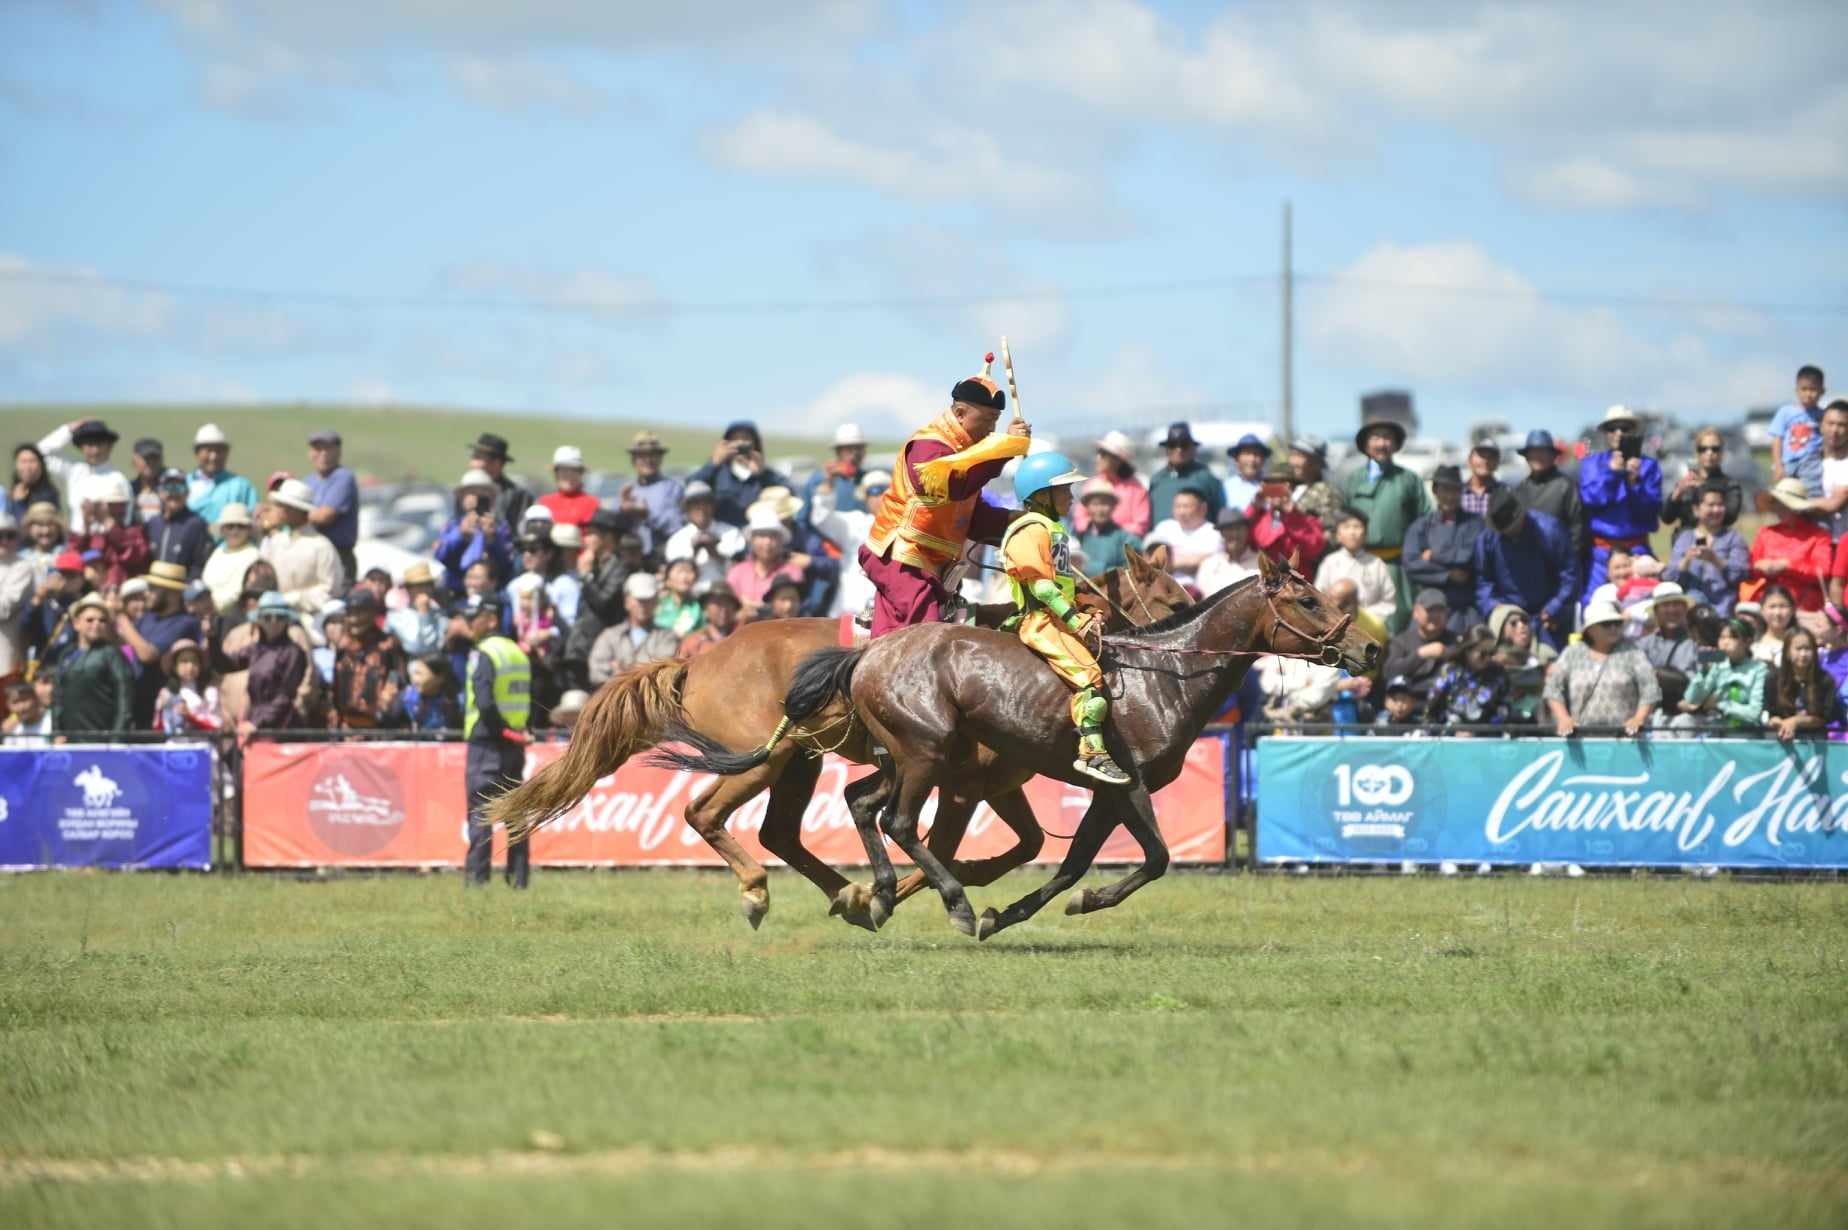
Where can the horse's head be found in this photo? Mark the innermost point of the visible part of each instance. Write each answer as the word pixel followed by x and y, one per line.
pixel 1306 623
pixel 1142 590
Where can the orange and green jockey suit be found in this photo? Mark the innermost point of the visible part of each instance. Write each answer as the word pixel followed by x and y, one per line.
pixel 932 508
pixel 1036 552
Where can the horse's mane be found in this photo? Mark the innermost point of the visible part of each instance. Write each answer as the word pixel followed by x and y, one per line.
pixel 1189 614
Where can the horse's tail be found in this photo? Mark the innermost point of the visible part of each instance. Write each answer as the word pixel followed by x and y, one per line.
pixel 819 678
pixel 628 714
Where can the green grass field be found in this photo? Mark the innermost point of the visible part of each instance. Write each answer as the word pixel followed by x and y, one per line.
pixel 618 1049
pixel 389 442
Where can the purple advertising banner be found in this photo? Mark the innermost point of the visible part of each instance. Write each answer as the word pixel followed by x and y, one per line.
pixel 119 806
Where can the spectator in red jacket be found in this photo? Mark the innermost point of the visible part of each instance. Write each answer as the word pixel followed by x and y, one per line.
pixel 1279 528
pixel 570 504
pixel 122 546
pixel 1794 551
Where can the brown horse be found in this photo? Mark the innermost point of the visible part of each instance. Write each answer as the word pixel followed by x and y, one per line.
pixel 732 696
pixel 951 702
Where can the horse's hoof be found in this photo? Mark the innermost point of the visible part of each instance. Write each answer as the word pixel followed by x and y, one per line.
pixel 878 910
pixel 988 924
pixel 963 919
pixel 755 905
pixel 1077 903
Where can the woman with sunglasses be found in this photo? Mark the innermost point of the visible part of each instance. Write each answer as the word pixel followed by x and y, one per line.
pixel 1525 658
pixel 277 666
pixel 1681 507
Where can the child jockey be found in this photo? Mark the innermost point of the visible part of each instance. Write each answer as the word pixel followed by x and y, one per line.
pixel 1036 551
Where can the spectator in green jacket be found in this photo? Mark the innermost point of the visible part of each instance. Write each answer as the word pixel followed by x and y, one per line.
pixel 1391 499
pixel 1183 473
pixel 96 688
pixel 1729 693
pixel 1103 540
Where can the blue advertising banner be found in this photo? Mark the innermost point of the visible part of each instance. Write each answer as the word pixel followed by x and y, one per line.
pixel 1599 802
pixel 106 806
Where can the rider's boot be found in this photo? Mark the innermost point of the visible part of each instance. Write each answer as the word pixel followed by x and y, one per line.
pixel 1089 709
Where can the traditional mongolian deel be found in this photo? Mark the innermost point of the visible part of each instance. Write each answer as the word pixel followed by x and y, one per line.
pixel 1711 802
pixel 117 807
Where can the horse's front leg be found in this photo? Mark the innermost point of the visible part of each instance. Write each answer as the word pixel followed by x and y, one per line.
pixel 1141 823
pixel 1099 819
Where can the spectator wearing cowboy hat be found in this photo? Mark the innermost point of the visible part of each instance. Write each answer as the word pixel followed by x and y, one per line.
pixel 31 482
pixel 1116 466
pixel 846 530
pixel 1248 456
pixel 96 685
pixel 211 486
pixel 1671 646
pixel 489 455
pixel 720 606
pixel 223 573
pixel 1481 485
pixel 570 504
pixel 1621 491
pixel 1707 557
pixel 1602 679
pixel 1525 560
pixel 1279 528
pixel 819 571
pixel 1792 551
pixel 710 543
pixel 737 472
pixel 840 476
pixel 308 570
pixel 1102 540
pixel 635 639
pixel 766 559
pixel 1313 493
pixel 420 624
pixel 336 496
pixel 1440 548
pixel 95 442
pixel 164 624
pixel 186 703
pixel 121 546
pixel 1183 472
pixel 650 500
pixel 478 532
pixel 1390 498
pixel 176 533
pixel 1546 489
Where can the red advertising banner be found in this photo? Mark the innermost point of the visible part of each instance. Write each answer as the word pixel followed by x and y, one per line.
pixel 402 805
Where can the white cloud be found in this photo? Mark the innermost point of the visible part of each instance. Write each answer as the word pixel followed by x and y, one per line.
pixel 1590 183
pixel 944 163
pixel 594 290
pixel 35 299
pixel 883 404
pixel 518 84
pixel 1448 314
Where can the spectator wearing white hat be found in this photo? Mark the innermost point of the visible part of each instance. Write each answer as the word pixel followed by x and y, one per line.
pixel 308 570
pixel 476 534
pixel 109 529
pixel 561 580
pixel 224 569
pixel 1116 465
pixel 1602 679
pixel 767 557
pixel 841 476
pixel 570 504
pixel 651 500
pixel 847 529
pixel 211 486
pixel 336 496
pixel 1672 645
pixel 95 442
pixel 635 640
pixel 708 542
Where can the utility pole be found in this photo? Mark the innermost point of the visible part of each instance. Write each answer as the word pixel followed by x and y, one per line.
pixel 1289 395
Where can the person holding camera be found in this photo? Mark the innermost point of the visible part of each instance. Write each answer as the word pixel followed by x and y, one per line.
pixel 737 473
pixel 1682 505
pixel 477 534
pixel 1621 491
pixel 1708 557
pixel 1279 528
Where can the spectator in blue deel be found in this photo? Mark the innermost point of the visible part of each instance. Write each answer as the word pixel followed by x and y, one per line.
pixel 1183 473
pixel 1621 491
pixel 737 472
pixel 1526 560
pixel 336 496
pixel 1796 433
pixel 477 533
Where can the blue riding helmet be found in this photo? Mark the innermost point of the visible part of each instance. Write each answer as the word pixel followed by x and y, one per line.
pixel 1042 470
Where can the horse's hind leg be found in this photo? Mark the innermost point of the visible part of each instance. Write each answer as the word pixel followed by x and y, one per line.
pixel 865 800
pixel 901 824
pixel 952 822
pixel 1139 819
pixel 782 831
pixel 1099 819
pixel 707 814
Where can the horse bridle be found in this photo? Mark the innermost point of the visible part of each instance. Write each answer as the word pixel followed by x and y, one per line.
pixel 1328 651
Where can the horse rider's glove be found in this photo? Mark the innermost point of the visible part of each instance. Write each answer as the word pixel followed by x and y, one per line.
pixel 1088 627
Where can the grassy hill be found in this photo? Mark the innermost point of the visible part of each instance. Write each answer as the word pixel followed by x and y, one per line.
pixel 389 441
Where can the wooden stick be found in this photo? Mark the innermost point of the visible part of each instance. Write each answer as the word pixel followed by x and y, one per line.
pixel 1013 390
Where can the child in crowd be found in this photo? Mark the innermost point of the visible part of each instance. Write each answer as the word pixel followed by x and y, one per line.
pixel 1352 561
pixel 784 601
pixel 187 705
pixel 1803 699
pixel 430 701
pixel 1728 693
pixel 1778 610
pixel 678 610
pixel 1401 704
pixel 28 718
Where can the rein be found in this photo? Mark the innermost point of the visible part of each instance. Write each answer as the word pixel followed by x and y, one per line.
pixel 1325 651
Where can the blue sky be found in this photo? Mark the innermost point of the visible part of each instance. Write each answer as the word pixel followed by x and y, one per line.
pixel 813 211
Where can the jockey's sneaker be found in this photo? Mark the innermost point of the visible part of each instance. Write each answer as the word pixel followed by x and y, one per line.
pixel 1100 766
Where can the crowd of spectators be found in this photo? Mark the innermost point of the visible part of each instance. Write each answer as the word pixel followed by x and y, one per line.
pixel 1584 593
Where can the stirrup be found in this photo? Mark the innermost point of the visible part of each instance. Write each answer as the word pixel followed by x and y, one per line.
pixel 1101 768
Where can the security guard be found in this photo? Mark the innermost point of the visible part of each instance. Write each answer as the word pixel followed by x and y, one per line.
pixel 496 708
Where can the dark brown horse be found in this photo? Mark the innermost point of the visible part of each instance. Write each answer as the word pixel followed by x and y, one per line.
pixel 732 697
pixel 948 702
